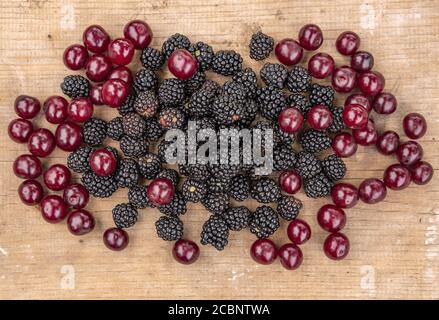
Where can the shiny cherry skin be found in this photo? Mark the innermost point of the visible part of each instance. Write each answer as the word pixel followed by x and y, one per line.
pixel 122 73
pixel 371 83
pixel 68 136
pixel 75 56
pixel 347 43
pixel 76 196
pixel 290 181
pixel 182 64
pixel 372 191
pixel 385 103
pixel 115 92
pixel 366 136
pixel 344 79
pixel 27 166
pixel 20 130
pixel 397 177
pixel 80 222
pixel 103 162
pixel 344 195
pixel 360 99
pixel 331 218
pixel 96 39
pixel 80 109
pixel 288 52
pixel 388 142
pixel 344 145
pixel 57 177
pixel 139 33
pixel 310 37
pixel 298 231
pixel 362 61
pixel 290 256
pixel 121 51
pixel 41 143
pixel 55 109
pixel 160 191
pixel 319 117
pixel 321 65
pixel 53 208
pixel 115 239
pixel 30 192
pixel 185 251
pixel 98 67
pixel 421 172
pixel 95 94
pixel 27 107
pixel 409 153
pixel 355 116
pixel 336 246
pixel 414 125
pixel 290 120
pixel 263 251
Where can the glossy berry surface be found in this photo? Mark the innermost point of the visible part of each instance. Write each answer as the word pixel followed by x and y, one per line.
pixel 122 73
pixel 347 43
pixel 372 191
pixel 414 125
pixel 121 51
pixel 397 177
pixel 30 192
pixel 290 181
pixel 76 196
pixel 95 94
pixel 20 130
pixel 75 56
pixel 27 166
pixel 385 103
pixel 360 99
pixel 139 33
pixel 263 251
pixel 80 110
pixel 290 120
pixel 160 191
pixel 55 109
pixel 185 251
pixel 80 222
pixel 371 83
pixel 103 162
pixel 115 92
pixel 57 177
pixel 288 52
pixel 290 256
pixel 344 195
pixel 310 37
pixel 421 172
pixel 388 142
pixel 331 218
pixel 98 67
pixel 367 135
pixel 319 117
pixel 41 143
pixel 344 79
pixel 27 107
pixel 68 136
pixel 344 145
pixel 355 116
pixel 321 65
pixel 115 239
pixel 96 39
pixel 298 231
pixel 409 153
pixel 362 61
pixel 182 64
pixel 336 246
pixel 53 208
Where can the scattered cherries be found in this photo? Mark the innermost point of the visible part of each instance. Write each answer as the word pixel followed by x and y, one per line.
pixel 160 191
pixel 290 256
pixel 55 109
pixel 344 79
pixel 115 239
pixel 139 33
pixel 53 208
pixel 414 125
pixel 298 231
pixel 344 145
pixel 103 162
pixel 185 251
pixel 290 120
pixel 96 39
pixel 76 196
pixel 182 64
pixel 80 222
pixel 385 103
pixel 20 130
pixel 75 57
pixel 114 92
pixel 344 195
pixel 321 65
pixel 263 251
pixel 319 117
pixel 121 51
pixel 68 136
pixel 310 37
pixel 336 246
pixel 397 177
pixel 27 166
pixel 41 143
pixel 30 192
pixel 57 177
pixel 289 52
pixel 347 43
pixel 290 181
pixel 331 218
pixel 27 107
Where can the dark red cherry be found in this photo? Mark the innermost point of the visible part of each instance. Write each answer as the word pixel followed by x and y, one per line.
pixel 371 83
pixel 290 181
pixel 76 196
pixel 290 120
pixel 103 162
pixel 355 116
pixel 55 109
pixel 182 64
pixel 321 65
pixel 80 109
pixel 115 239
pixel 41 143
pixel 121 51
pixel 122 73
pixel 372 191
pixel 80 222
pixel 53 208
pixel 331 218
pixel 367 135
pixel 344 79
pixel 30 192
pixel 360 99
pixel 290 256
pixel 139 33
pixel 185 251
pixel 96 39
pixel 298 231
pixel 27 166
pixel 388 142
pixel 75 56
pixel 115 92
pixel 98 67
pixel 347 43
pixel 68 136
pixel 344 145
pixel 263 251
pixel 344 195
pixel 20 130
pixel 409 153
pixel 397 177
pixel 421 172
pixel 27 107
pixel 289 52
pixel 385 103
pixel 362 61
pixel 414 125
pixel 57 177
pixel 95 94
pixel 160 191
pixel 310 37
pixel 319 117
pixel 336 246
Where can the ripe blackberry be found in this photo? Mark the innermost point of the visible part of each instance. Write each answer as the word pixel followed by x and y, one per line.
pixel 176 207
pixel 271 102
pixel 78 160
pixel 149 165
pixel 195 82
pixel 128 105
pixel 138 197
pixel 281 136
pixel 239 188
pixel 205 123
pixel 274 74
pixel 234 89
pixel 300 102
pixel 321 95
pixel 115 128
pixel 169 228
pixel 94 131
pixel 169 174
pixel 334 167
pixel 154 130
pixel 299 80
pixel 133 147
pixel 260 46
pixel 171 92
pixel 127 174
pixel 289 207
pixel 101 187
pixel 237 218
pixel 115 153
pixel 278 135
pixel 337 120
pixel 124 215
pixel 75 86
pixel 264 222
pixel 215 232
pixel 200 101
pixel 133 125
pixel 162 147
pixel 218 184
pixel 226 62
pixel 216 203
pixel 203 53
pixel 284 157
pixel 174 42
pixel 144 80
pixel 146 104
pixel 194 190
pixel 308 165
pixel 197 171
pixel 265 190
pixel 152 59
pixel 172 118
pixel 227 110
pixel 248 78
pixel 251 109
pixel 318 186
pixel 315 141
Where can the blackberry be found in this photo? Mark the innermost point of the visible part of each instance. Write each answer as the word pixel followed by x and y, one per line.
pixel 171 92
pixel 154 130
pixel 315 141
pixel 289 207
pixel 227 110
pixel 234 89
pixel 146 104
pixel 101 187
pixel 237 218
pixel 127 174
pixel 337 120
pixel 128 105
pixel 162 147
pixel 265 190
pixel 174 42
pixel 200 102
pixel 149 165
pixel 195 82
pixel 264 222
pixel 115 128
pixel 281 136
pixel 284 157
pixel 321 95
pixel 203 53
pixel 274 74
pixel 308 165
pixel 197 171
pixel 334 167
pixel 260 46
pixel 239 188
pixel 124 215
pixel 172 118
pixel 218 184
pixel 133 125
pixel 226 62
pixel 194 190
pixel 300 102
pixel 176 207
pixel 271 101
pixel 215 232
pixel 205 123
pixel 251 109
pixel 152 59
pixel 75 86
pixel 144 80
pixel 133 147
pixel 78 160
pixel 94 131
pixel 318 186
pixel 216 203
pixel 299 80
pixel 169 228
pixel 115 153
pixel 248 78
pixel 138 197
pixel 169 174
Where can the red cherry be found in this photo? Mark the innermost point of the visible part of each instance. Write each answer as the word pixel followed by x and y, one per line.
pixel 290 256
pixel 310 37
pixel 344 145
pixel 414 125
pixel 41 143
pixel 263 251
pixel 55 109
pixel 421 172
pixel 30 192
pixel 360 99
pixel 76 196
pixel 362 61
pixel 139 33
pixel 57 177
pixel 319 117
pixel 371 83
pixel 290 120
pixel 182 64
pixel 103 162
pixel 388 142
pixel 160 191
pixel 355 116
pixel 331 218
pixel 336 246
pixel 289 52
pixel 75 56
pixel 95 94
pixel 20 130
pixel 185 251
pixel 80 222
pixel 27 166
pixel 27 107
pixel 122 73
pixel 80 109
pixel 321 65
pixel 344 195
pixel 290 181
pixel 53 208
pixel 367 135
pixel 115 239
pixel 121 51
pixel 96 39
pixel 397 177
pixel 409 153
pixel 114 92
pixel 298 231
pixel 385 103
pixel 68 136
pixel 344 79
pixel 372 191
pixel 347 43
pixel 98 67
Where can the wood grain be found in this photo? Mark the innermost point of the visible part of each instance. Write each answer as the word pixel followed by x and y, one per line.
pixel 394 245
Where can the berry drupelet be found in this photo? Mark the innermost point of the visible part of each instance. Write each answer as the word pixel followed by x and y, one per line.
pixel 271 101
pixel 128 105
pixel 172 118
pixel 299 102
pixel 237 218
pixel 288 207
pixel 146 104
pixel 260 46
pixel 215 232
pixel 337 124
pixel 265 190
pixel 274 74
pixel 154 130
pixel 264 222
pixel 124 215
pixel 75 86
pixel 284 157
pixel 169 228
pixel 226 62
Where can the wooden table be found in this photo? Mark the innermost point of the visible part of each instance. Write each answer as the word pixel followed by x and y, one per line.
pixel 394 245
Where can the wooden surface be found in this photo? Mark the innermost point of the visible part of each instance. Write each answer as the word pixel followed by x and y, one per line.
pixel 394 245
